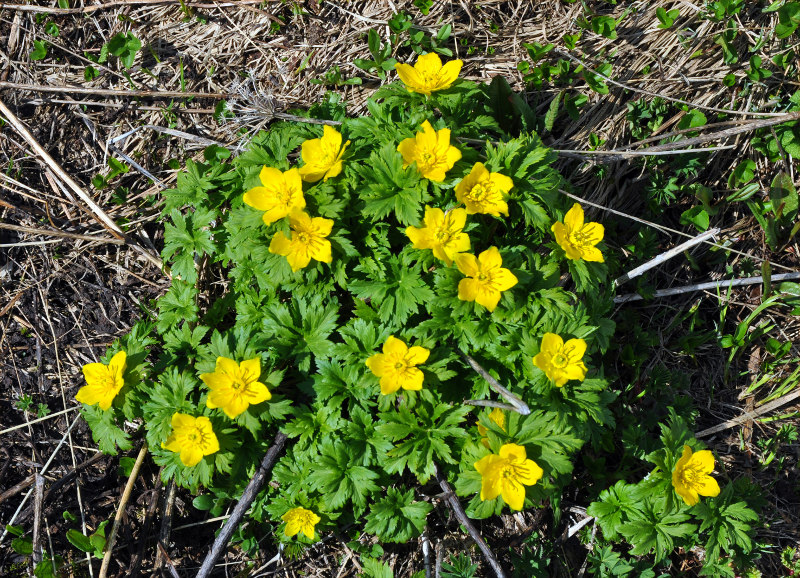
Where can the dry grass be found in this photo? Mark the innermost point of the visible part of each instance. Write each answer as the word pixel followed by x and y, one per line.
pixel 69 286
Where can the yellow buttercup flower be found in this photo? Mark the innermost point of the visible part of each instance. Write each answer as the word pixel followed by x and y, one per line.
pixel 443 232
pixel 484 192
pixel 397 366
pixel 486 278
pixel 507 475
pixel 498 417
pixel 279 194
pixel 578 239
pixel 300 520
pixel 431 151
pixel 193 437
pixel 308 241
pixel 561 361
pixel 428 75
pixel 691 477
pixel 103 382
pixel 235 386
pixel 322 156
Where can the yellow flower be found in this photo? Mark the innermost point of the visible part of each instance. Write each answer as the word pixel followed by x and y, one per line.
pixel 431 151
pixel 498 417
pixel 428 75
pixel 507 475
pixel 322 156
pixel 235 386
pixel 578 239
pixel 443 232
pixel 279 195
pixel 103 382
pixel 690 478
pixel 396 366
pixel 308 241
pixel 300 520
pixel 484 192
pixel 192 437
pixel 561 361
pixel 486 279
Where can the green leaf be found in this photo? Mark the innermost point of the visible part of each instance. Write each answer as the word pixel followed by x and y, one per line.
pixel 39 51
pixel 397 517
pixel 106 433
pixel 125 46
pixel 23 546
pixel 79 540
pixel 783 195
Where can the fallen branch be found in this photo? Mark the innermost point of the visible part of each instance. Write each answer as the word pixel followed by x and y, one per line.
pixel 109 5
pixel 455 505
pixel 724 284
pixel 658 259
pixel 519 406
pixel 249 494
pixel 759 411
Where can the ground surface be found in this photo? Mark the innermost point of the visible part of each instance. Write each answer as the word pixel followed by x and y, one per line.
pixel 68 287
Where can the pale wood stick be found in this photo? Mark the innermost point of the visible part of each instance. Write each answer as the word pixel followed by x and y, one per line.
pixel 517 404
pixel 108 5
pixel 126 495
pixel 759 411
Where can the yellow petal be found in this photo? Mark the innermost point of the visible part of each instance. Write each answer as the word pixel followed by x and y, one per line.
pixel 321 251
pixel 575 370
pixel 257 393
pixel 575 349
pixel 321 226
pixel 311 173
pixel 181 421
pixel 95 373
pixel 394 346
pixel 529 473
pixel 513 452
pixel 513 493
pixel 298 259
pixel 503 279
pixel 408 148
pixel 228 367
pixel 488 297
pixel 417 355
pixel 420 238
pixel 171 444
pixel 412 379
pixel 219 398
pixel 551 344
pixel 235 406
pixel 468 288
pixel 429 64
pixel 311 151
pixel 708 486
pixel 280 245
pixel 216 380
pixel 191 456
pixel 502 182
pixel 331 137
pixel 376 364
pixel 434 218
pixel 410 77
pixel 573 220
pixel 467 263
pixel 334 171
pixel 389 384
pixel 704 461
pixel 591 254
pixel 118 364
pixel 450 72
pixel 271 177
pixel 250 369
pixel 490 259
pixel 88 394
pixel 593 233
pixel 453 156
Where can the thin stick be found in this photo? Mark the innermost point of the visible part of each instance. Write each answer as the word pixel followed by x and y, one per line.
pixel 490 403
pixel 166 526
pixel 723 284
pixel 126 495
pixel 455 505
pixel 63 234
pixel 95 209
pixel 426 554
pixel 51 416
pixel 249 494
pixel 519 406
pixel 37 519
pixel 759 411
pixel 667 255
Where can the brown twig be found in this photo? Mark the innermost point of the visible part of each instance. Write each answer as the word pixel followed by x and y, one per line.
pixel 126 495
pixel 63 234
pixel 37 519
pixel 166 526
pixel 461 515
pixel 759 411
pixel 249 494
pixel 148 521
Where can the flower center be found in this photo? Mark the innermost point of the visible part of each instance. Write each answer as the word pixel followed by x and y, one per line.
pixel 304 238
pixel 482 277
pixel 560 360
pixel 238 384
pixel 109 383
pixel 399 365
pixel 508 471
pixel 427 158
pixel 580 239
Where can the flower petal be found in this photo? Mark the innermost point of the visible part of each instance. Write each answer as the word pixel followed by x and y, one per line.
pixel 428 64
pixel 551 344
pixel 575 349
pixel 573 220
pixel 503 279
pixel 468 288
pixel 257 393
pixel 190 456
pixel 467 263
pixel 450 72
pixel 412 379
pixel 228 367
pixel 513 493
pixel 593 233
pixel 704 461
pixel 376 364
pixel 280 245
pixel 490 259
pixel 394 346
pixel 417 355
pixel 514 452
pixel 488 297
pixel 503 183
pixel 250 369
pixel 408 148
